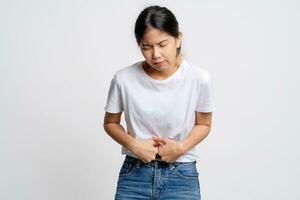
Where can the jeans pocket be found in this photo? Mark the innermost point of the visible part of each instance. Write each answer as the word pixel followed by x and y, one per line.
pixel 127 168
pixel 186 170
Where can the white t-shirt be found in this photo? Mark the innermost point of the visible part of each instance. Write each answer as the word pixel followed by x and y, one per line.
pixel 165 108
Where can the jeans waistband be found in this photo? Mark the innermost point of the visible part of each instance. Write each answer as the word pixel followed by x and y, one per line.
pixel 158 161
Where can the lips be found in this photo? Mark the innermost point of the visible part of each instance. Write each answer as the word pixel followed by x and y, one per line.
pixel 157 63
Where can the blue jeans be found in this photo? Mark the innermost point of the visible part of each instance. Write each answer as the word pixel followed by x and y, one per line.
pixel 157 180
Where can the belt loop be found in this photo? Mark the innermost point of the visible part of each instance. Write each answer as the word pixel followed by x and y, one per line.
pixel 138 163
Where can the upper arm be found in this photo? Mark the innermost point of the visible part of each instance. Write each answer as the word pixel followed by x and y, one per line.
pixel 203 118
pixel 112 118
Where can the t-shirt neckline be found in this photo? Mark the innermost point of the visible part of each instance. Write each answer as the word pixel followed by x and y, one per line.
pixel 164 80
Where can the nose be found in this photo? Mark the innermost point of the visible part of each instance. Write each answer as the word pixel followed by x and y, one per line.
pixel 156 53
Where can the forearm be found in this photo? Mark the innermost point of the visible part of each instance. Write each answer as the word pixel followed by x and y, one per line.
pixel 197 134
pixel 118 133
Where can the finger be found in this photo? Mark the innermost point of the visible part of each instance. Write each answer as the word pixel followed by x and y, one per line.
pixel 155 143
pixel 158 139
pixel 161 141
pixel 158 143
pixel 160 149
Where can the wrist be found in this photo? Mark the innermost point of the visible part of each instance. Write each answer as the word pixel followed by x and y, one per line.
pixel 183 147
pixel 132 144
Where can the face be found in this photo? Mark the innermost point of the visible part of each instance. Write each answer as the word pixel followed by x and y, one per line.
pixel 159 49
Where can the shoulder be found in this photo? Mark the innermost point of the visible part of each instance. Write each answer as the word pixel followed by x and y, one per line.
pixel 198 72
pixel 126 72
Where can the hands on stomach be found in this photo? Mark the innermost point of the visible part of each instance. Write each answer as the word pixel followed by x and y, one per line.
pixel 169 150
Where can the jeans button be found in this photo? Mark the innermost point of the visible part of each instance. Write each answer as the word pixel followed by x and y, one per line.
pixel 172 167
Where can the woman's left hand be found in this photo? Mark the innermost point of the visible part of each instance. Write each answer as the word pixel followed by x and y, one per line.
pixel 169 150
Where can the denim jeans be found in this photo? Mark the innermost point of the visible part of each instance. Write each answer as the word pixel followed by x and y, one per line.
pixel 157 180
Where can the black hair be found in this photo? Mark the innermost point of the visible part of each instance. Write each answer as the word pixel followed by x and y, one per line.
pixel 157 17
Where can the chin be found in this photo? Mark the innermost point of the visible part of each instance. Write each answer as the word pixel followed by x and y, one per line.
pixel 162 69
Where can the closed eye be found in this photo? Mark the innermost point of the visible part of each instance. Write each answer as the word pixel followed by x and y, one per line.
pixel 145 48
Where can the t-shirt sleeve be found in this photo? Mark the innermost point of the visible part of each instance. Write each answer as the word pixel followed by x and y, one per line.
pixel 206 99
pixel 114 99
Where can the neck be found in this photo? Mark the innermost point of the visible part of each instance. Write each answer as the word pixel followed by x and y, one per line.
pixel 163 74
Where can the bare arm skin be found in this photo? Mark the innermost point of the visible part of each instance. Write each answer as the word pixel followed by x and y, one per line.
pixel 170 150
pixel 146 150
pixel 199 132
pixel 115 130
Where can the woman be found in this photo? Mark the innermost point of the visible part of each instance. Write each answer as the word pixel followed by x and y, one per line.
pixel 168 104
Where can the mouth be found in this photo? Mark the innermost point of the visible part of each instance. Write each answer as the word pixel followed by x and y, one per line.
pixel 159 63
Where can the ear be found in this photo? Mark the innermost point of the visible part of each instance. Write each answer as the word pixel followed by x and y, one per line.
pixel 178 40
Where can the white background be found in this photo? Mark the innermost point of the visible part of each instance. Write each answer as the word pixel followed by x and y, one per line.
pixel 57 59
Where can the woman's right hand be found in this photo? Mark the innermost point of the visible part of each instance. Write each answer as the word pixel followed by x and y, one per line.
pixel 146 150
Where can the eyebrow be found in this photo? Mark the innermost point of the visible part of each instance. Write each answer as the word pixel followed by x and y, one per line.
pixel 157 43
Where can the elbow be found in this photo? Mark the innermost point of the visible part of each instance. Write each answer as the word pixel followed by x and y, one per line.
pixel 105 127
pixel 108 126
pixel 208 127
